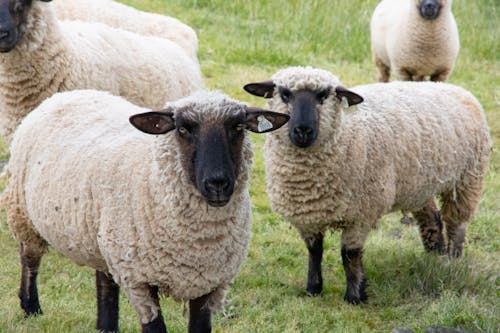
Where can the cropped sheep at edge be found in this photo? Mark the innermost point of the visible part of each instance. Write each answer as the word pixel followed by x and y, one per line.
pixel 57 56
pixel 125 17
pixel 413 47
pixel 92 152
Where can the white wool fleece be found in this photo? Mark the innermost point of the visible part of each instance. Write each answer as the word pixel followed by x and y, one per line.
pixel 57 56
pixel 148 226
pixel 118 15
pixel 407 142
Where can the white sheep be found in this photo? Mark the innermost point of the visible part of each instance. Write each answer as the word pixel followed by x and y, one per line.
pixel 41 56
pixel 168 214
pixel 416 39
pixel 125 17
pixel 344 168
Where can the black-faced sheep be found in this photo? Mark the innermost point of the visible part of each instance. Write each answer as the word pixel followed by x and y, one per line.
pixel 416 39
pixel 333 167
pixel 165 214
pixel 41 56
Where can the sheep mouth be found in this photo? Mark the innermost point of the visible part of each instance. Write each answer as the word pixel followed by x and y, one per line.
pixel 217 202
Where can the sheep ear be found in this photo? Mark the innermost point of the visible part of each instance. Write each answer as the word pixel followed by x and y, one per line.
pixel 351 97
pixel 262 121
pixel 262 89
pixel 155 122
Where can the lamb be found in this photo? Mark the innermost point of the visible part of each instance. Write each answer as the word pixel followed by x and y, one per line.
pixel 124 17
pixel 338 167
pixel 168 213
pixel 41 56
pixel 416 39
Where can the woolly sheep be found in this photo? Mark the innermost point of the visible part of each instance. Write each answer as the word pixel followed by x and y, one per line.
pixel 417 39
pixel 344 168
pixel 179 223
pixel 125 17
pixel 41 56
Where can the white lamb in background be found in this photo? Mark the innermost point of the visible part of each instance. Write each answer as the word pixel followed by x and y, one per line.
pixel 41 56
pixel 165 214
pixel 336 167
pixel 416 39
pixel 118 15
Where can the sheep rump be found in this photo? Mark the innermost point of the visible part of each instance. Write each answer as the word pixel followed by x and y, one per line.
pixel 118 15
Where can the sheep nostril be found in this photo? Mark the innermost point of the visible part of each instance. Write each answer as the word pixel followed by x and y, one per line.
pixel 4 34
pixel 217 184
pixel 302 131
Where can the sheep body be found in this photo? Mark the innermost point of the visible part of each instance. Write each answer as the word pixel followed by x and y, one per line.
pixel 125 17
pixel 407 143
pixel 151 227
pixel 53 57
pixel 414 48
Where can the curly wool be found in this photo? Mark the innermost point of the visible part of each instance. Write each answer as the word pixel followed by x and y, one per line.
pixel 392 152
pixel 407 43
pixel 53 57
pixel 128 18
pixel 151 227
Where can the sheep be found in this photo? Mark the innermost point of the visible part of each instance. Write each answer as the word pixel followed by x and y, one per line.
pixel 338 167
pixel 416 39
pixel 124 17
pixel 168 213
pixel 40 56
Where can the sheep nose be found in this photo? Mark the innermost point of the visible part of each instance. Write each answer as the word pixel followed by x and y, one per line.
pixel 218 184
pixel 302 131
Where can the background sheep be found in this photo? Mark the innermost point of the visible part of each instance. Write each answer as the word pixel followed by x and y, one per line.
pixel 416 39
pixel 179 224
pixel 124 17
pixel 333 167
pixel 41 56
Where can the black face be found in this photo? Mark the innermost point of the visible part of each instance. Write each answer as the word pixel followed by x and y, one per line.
pixel 13 15
pixel 212 155
pixel 303 127
pixel 430 9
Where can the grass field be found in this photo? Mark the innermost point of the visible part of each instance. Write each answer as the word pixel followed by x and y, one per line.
pixel 244 41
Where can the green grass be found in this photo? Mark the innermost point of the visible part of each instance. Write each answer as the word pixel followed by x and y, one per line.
pixel 244 41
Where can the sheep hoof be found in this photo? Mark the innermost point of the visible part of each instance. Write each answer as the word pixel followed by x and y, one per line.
pixel 362 296
pixel 314 290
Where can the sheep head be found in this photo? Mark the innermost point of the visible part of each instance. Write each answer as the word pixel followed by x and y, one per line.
pixel 210 138
pixel 13 16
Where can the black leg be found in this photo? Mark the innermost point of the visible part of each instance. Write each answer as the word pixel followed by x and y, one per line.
pixel 431 228
pixel 28 292
pixel 314 278
pixel 355 279
pixel 108 293
pixel 157 325
pixel 199 315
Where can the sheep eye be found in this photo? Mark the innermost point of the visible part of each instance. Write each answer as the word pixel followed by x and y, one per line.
pixel 18 7
pixel 285 95
pixel 183 130
pixel 240 127
pixel 322 95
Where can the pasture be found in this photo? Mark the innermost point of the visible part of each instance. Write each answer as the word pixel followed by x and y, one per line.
pixel 247 41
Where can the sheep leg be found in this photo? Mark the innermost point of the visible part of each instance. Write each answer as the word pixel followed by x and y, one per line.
pixel 314 245
pixel 441 75
pixel 404 74
pixel 431 228
pixel 355 279
pixel 383 71
pixel 147 305
pixel 353 239
pixel 200 320
pixel 107 302
pixel 28 292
